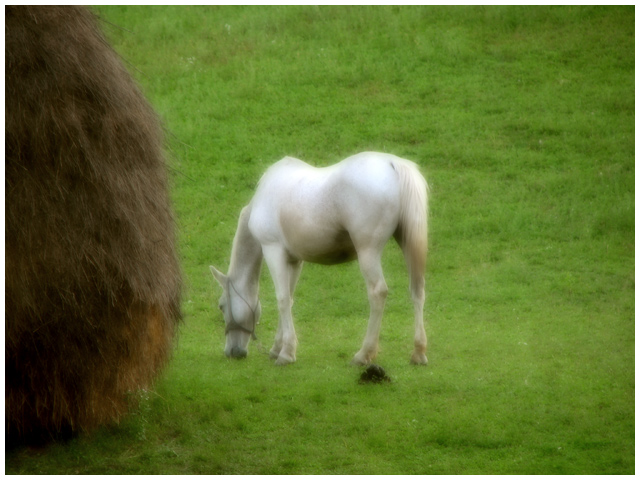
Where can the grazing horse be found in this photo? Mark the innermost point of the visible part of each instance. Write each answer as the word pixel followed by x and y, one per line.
pixel 328 216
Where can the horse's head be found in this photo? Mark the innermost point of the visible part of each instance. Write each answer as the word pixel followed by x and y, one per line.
pixel 240 316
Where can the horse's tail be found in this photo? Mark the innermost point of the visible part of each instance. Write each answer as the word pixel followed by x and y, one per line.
pixel 412 227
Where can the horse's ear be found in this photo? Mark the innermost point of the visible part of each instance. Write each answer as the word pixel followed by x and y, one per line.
pixel 219 276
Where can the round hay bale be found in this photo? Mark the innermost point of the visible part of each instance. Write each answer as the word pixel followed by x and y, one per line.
pixel 92 277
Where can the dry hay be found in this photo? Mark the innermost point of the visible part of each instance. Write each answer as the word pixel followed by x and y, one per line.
pixel 92 277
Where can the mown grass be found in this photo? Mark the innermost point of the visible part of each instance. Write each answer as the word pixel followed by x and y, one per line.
pixel 523 122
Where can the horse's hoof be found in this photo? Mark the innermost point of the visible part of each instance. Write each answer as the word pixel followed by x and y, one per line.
pixel 361 360
pixel 418 359
pixel 282 360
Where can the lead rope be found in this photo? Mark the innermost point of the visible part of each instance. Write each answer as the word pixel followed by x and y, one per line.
pixel 259 347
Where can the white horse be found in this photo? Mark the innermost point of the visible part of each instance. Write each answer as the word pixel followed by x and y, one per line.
pixel 326 215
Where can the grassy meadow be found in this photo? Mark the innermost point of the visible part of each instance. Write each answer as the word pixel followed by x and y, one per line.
pixel 522 120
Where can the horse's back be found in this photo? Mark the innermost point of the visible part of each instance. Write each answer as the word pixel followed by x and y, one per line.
pixel 364 179
pixel 281 170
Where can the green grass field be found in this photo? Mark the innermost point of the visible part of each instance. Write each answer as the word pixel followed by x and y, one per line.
pixel 522 120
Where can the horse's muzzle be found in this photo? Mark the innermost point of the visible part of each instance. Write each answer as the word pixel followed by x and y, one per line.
pixel 237 352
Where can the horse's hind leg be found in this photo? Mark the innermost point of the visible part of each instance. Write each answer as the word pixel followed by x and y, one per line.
pixel 416 279
pixel 419 356
pixel 371 268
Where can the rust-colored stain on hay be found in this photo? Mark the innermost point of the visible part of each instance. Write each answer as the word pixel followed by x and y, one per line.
pixel 92 277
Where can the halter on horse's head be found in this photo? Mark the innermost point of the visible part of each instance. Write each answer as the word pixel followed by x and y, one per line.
pixel 232 324
pixel 240 322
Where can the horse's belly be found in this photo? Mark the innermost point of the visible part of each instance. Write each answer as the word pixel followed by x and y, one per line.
pixel 312 242
pixel 329 252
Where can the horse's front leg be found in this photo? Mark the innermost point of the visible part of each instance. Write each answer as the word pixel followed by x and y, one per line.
pixel 371 268
pixel 277 344
pixel 284 275
pixel 294 275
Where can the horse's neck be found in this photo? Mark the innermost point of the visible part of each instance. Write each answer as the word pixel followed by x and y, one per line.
pixel 246 256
